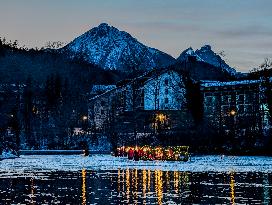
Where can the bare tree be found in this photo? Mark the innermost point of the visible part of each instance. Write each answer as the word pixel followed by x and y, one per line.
pixel 54 44
pixel 264 73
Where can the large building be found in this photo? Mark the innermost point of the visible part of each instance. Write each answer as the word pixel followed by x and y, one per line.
pixel 151 94
pixel 157 101
pixel 236 106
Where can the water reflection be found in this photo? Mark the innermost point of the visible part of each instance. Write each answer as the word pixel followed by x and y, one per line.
pixel 144 180
pixel 176 181
pixel 159 185
pixel 232 190
pixel 127 184
pixel 148 180
pixel 32 189
pixel 135 186
pixel 84 200
pixel 267 196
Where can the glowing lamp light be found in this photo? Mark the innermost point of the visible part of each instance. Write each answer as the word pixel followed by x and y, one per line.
pixel 232 112
pixel 161 117
pixel 84 117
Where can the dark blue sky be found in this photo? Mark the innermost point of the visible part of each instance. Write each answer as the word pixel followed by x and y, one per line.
pixel 242 28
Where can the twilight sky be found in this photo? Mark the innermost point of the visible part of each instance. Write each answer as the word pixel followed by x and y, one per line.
pixel 242 28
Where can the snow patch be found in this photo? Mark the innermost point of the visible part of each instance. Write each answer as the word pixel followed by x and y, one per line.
pixel 230 83
pixel 206 54
pixel 210 163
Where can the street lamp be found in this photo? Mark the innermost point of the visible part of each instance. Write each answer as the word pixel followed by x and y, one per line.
pixel 232 112
pixel 85 122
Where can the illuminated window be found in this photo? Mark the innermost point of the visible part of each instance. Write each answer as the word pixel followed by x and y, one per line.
pixel 161 121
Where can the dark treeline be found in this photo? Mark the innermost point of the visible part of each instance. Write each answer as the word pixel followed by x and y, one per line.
pixel 43 94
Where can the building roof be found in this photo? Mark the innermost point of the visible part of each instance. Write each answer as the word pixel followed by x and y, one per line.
pixel 149 75
pixel 229 83
pixel 102 88
pixel 104 93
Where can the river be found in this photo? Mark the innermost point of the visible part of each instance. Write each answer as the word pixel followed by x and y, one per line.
pixel 103 179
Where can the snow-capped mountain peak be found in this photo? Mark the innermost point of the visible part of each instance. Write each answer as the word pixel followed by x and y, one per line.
pixel 113 49
pixel 188 52
pixel 206 54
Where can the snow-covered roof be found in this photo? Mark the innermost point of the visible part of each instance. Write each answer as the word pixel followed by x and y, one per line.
pixel 102 88
pixel 11 87
pixel 229 83
pixel 104 93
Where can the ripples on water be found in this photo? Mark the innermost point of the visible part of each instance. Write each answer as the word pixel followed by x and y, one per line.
pixel 132 186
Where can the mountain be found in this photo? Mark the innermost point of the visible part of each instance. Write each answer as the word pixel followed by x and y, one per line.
pixel 112 49
pixel 206 54
pixel 188 53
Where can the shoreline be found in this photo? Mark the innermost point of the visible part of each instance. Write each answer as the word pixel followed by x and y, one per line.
pixel 79 152
pixel 60 152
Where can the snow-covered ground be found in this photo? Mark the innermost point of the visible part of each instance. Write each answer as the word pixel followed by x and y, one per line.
pixel 7 155
pixel 41 163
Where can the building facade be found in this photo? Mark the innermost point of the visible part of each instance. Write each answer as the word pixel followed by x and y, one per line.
pixel 156 103
pixel 145 95
pixel 236 107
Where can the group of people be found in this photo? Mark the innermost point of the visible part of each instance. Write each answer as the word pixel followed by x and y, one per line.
pixel 131 154
pixel 149 153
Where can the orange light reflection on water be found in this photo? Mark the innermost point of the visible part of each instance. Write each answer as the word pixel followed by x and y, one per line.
pixel 159 186
pixel 232 188
pixel 135 186
pixel 83 174
pixel 127 184
pixel 32 189
pixel 176 181
pixel 144 175
pixel 140 184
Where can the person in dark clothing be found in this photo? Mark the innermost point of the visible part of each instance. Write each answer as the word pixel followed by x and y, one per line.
pixel 86 152
pixel 130 154
pixel 116 153
pixel 136 155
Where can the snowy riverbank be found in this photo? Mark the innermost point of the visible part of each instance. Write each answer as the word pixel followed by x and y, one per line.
pixel 7 155
pixel 106 162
